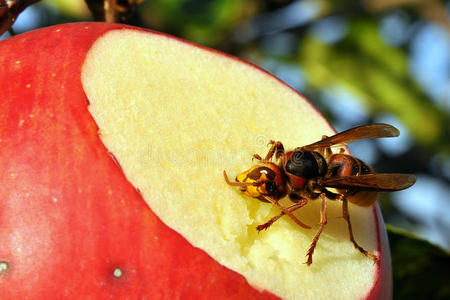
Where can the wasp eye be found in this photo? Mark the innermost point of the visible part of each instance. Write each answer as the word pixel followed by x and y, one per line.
pixel 271 187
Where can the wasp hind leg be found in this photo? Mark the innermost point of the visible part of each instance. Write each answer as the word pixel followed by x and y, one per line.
pixel 346 217
pixel 302 202
pixel 323 222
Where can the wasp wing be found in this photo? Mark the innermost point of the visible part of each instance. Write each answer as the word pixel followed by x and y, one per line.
pixel 379 182
pixel 371 131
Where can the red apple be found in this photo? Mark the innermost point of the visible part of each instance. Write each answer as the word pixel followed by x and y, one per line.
pixel 108 129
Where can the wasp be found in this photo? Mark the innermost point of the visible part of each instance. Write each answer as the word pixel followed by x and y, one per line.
pixel 314 172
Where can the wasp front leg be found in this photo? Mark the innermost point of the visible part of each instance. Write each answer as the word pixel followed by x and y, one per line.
pixel 277 148
pixel 302 202
pixel 257 157
pixel 286 212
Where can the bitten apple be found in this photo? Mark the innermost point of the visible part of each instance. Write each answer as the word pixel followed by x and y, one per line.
pixel 113 141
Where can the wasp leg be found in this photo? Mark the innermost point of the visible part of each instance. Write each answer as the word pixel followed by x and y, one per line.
pixel 287 212
pixel 346 217
pixel 323 222
pixel 325 151
pixel 277 148
pixel 302 202
pixel 256 156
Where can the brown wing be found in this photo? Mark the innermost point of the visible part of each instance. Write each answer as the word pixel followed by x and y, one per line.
pixel 380 182
pixel 371 131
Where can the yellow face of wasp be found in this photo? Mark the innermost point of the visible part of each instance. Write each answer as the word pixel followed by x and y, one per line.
pixel 269 177
pixel 251 190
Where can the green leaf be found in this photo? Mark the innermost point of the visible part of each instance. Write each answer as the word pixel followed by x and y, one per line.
pixel 421 270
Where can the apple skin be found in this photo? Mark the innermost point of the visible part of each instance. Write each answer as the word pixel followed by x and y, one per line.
pixel 71 225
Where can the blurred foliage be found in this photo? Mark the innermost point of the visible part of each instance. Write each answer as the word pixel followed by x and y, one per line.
pixel 320 47
pixel 378 75
pixel 205 22
pixel 420 269
pixel 73 9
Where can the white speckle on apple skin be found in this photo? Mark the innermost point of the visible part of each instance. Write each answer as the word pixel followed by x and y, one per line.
pixel 4 267
pixel 117 273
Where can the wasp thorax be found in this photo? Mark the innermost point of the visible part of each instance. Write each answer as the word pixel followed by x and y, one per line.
pixel 306 164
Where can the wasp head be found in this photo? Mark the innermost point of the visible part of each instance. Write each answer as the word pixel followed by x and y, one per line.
pixel 260 181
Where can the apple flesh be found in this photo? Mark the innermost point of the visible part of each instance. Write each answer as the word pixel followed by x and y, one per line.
pixel 102 117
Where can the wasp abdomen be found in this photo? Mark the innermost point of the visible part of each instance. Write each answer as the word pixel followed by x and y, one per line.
pixel 341 165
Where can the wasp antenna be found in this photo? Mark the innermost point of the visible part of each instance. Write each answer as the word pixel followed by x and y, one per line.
pixel 226 178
